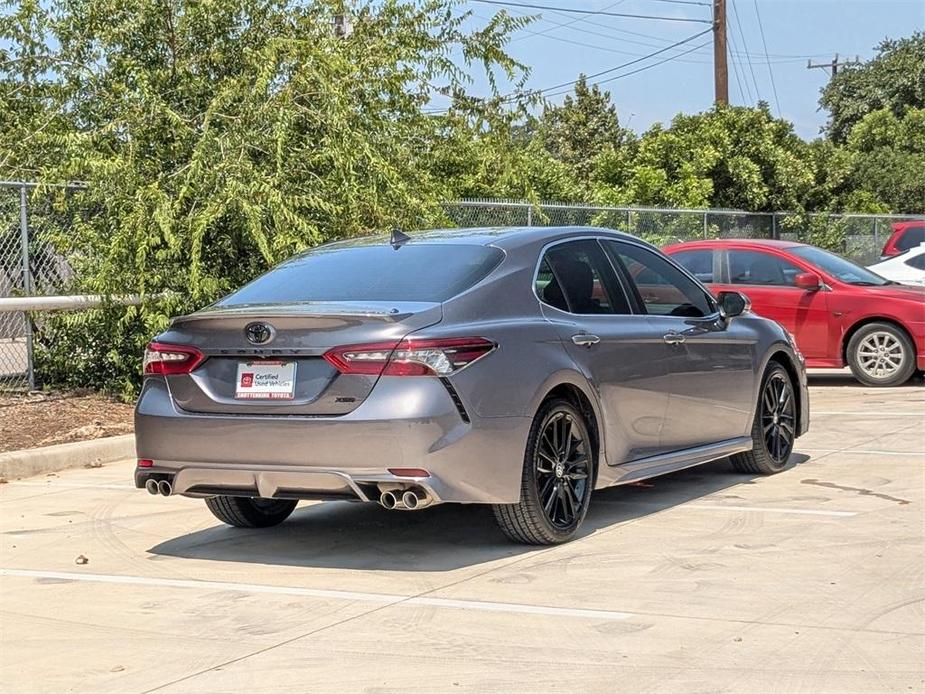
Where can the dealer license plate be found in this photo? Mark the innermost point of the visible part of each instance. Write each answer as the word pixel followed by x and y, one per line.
pixel 265 380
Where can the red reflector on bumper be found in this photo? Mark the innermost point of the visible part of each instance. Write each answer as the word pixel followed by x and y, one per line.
pixel 408 472
pixel 144 462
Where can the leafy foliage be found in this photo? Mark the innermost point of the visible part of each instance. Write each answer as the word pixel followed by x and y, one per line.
pixel 728 157
pixel 889 159
pixel 893 80
pixel 219 137
pixel 583 128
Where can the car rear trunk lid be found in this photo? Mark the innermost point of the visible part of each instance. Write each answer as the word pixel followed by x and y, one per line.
pixel 300 334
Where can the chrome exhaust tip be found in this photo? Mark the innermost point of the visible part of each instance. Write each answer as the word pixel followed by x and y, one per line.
pixel 163 487
pixel 415 499
pixel 410 499
pixel 388 500
pixel 151 486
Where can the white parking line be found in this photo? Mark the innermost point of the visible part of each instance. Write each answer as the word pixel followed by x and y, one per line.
pixel 864 451
pixel 763 509
pixel 696 506
pixel 379 598
pixel 870 413
pixel 69 485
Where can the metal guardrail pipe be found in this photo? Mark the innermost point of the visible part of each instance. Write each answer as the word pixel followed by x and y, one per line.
pixel 30 185
pixel 65 303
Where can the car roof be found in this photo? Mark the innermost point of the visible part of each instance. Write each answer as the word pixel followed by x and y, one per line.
pixel 503 237
pixel 903 226
pixel 735 243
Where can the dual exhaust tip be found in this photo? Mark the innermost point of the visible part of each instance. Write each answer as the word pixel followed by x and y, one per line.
pixel 408 500
pixel 154 487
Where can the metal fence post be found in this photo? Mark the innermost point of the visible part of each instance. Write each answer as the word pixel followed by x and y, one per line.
pixel 529 215
pixel 26 279
pixel 877 234
pixel 775 233
pixel 706 229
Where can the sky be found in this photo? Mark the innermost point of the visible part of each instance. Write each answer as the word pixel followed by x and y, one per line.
pixel 560 45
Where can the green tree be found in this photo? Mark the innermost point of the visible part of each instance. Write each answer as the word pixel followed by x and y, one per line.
pixel 888 161
pixel 218 138
pixel 728 157
pixel 490 153
pixel 894 80
pixel 582 128
pixel 32 127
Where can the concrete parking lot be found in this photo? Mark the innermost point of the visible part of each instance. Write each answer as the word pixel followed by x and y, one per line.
pixel 704 581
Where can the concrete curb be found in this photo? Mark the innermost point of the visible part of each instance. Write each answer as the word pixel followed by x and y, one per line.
pixel 37 461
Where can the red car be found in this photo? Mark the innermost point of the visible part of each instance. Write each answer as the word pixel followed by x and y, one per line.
pixel 905 235
pixel 839 313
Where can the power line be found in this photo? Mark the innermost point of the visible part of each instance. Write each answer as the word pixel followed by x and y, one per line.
pixel 565 24
pixel 834 65
pixel 643 68
pixel 781 57
pixel 592 12
pixel 627 64
pixel 683 2
pixel 751 68
pixel 770 71
pixel 736 68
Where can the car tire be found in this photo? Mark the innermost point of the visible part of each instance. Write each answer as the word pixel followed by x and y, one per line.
pixel 558 473
pixel 246 512
pixel 774 427
pixel 881 354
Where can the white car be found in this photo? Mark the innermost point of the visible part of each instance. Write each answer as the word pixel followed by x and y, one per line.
pixel 908 268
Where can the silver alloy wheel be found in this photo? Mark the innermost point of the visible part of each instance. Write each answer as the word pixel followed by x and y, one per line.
pixel 880 355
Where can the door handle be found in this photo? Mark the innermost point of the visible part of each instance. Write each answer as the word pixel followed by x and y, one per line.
pixel 674 338
pixel 585 340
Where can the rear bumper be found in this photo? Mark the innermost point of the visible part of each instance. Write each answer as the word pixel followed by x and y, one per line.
pixel 404 423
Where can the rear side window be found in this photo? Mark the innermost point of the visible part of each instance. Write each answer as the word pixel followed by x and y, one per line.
pixel 697 262
pixel 757 268
pixel 910 238
pixel 918 262
pixel 434 272
pixel 576 277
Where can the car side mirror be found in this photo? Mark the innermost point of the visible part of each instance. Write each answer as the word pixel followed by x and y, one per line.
pixel 732 304
pixel 808 280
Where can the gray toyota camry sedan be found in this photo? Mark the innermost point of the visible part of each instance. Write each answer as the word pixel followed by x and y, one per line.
pixel 519 367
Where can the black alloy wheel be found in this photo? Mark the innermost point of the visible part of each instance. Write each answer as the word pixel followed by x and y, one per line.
pixel 557 477
pixel 778 416
pixel 562 470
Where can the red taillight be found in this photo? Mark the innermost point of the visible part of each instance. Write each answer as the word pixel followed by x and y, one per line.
pixel 168 360
pixel 145 462
pixel 409 357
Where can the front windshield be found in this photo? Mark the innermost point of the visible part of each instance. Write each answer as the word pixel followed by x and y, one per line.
pixel 838 267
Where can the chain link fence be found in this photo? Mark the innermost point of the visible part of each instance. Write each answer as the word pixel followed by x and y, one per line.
pixel 31 216
pixel 29 266
pixel 856 236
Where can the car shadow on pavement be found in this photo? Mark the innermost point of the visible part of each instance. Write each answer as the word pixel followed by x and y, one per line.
pixel 841 379
pixel 344 535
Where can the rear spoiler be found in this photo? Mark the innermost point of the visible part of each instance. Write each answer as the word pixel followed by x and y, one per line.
pixel 392 311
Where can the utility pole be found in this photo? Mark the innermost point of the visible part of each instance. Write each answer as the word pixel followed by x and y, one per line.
pixel 720 67
pixel 834 65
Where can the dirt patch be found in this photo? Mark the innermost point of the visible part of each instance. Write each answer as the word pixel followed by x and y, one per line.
pixel 30 421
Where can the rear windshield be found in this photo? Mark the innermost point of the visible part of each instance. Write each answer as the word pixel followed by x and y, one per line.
pixel 432 272
pixel 911 237
pixel 839 267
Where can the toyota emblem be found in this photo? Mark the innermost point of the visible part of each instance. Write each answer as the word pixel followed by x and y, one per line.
pixel 259 333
